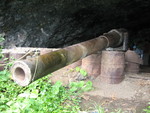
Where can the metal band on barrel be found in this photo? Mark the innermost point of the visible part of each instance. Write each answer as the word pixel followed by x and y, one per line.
pixel 108 43
pixel 119 33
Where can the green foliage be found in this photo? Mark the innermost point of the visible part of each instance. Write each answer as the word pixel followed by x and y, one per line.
pixel 38 97
pixel 82 72
pixel 100 109
pixel 1 40
pixel 147 110
pixel 80 86
pixel 77 69
pixel 7 64
pixel 4 75
pixel 8 90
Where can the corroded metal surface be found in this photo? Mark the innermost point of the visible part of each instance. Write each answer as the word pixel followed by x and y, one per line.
pixel 131 56
pixel 132 67
pixel 133 62
pixel 112 66
pixel 31 69
pixel 92 64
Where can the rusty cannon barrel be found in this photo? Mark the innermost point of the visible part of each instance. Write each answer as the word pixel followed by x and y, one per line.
pixel 26 71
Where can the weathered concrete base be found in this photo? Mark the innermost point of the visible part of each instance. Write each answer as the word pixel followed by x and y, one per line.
pixel 92 64
pixel 65 75
pixel 130 96
pixel 134 87
pixel 20 53
pixel 112 105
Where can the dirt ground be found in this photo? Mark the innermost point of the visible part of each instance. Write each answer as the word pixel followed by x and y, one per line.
pixel 130 96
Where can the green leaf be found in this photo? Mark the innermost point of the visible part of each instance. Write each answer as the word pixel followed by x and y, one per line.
pixel 24 95
pixel 51 99
pixel 78 69
pixel 34 93
pixel 80 84
pixel 88 86
pixel 4 75
pixel 73 89
pixel 4 72
pixel 1 39
pixel 83 72
pixel 9 103
pixel 55 88
pixel 57 84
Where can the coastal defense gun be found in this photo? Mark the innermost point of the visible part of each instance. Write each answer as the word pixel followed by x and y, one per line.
pixel 26 71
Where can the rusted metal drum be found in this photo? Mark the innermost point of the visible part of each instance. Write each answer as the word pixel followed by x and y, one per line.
pixel 133 62
pixel 132 67
pixel 112 66
pixel 92 64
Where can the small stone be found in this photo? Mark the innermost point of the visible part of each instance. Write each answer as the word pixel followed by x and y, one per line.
pixel 80 77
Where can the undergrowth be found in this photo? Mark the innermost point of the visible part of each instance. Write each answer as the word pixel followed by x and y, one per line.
pixel 40 96
pixel 147 110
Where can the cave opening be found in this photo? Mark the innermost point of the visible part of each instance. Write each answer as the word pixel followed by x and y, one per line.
pixel 60 23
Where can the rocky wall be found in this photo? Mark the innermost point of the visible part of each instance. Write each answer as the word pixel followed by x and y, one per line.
pixel 59 23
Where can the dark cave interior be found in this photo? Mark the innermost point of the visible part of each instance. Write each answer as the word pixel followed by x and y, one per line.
pixel 59 23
